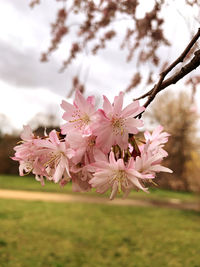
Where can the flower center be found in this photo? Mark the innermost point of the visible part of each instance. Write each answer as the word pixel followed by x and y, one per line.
pixel 91 141
pixel 118 125
pixel 80 121
pixel 28 167
pixel 53 158
pixel 121 178
pixel 85 119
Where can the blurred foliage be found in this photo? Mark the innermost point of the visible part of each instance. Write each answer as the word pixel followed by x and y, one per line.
pixel 193 171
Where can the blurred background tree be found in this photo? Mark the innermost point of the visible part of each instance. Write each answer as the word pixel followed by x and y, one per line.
pixel 180 118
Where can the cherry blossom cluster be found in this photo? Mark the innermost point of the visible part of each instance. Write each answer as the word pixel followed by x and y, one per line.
pixel 95 148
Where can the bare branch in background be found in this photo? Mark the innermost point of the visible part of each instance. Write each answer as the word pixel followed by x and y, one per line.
pixel 145 34
pixel 95 28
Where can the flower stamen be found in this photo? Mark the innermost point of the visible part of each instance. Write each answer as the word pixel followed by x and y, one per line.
pixel 118 124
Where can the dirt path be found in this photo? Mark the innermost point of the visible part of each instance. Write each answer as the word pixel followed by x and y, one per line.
pixel 56 197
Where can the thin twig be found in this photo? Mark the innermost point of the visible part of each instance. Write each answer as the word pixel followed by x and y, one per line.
pixel 193 64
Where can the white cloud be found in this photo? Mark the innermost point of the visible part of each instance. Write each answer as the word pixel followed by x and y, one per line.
pixel 21 105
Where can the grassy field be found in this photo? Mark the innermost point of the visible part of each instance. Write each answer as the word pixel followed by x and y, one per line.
pixel 29 183
pixel 38 234
pixel 42 234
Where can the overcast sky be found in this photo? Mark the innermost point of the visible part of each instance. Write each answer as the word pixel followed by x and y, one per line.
pixel 28 86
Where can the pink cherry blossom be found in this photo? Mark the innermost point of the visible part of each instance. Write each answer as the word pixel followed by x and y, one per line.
pixel 82 144
pixel 57 156
pixel 148 163
pixel 157 140
pixel 26 149
pixel 117 176
pixel 95 149
pixel 81 174
pixel 157 137
pixel 25 152
pixel 80 115
pixel 114 123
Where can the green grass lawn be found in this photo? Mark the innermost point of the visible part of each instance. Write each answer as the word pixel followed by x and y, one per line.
pixel 42 234
pixel 29 183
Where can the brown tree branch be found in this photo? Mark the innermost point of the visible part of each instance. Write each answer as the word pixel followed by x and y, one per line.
pixel 162 83
pixel 193 64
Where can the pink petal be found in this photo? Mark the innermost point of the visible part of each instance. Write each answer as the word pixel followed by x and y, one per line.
pixel 100 156
pixel 27 134
pixel 132 109
pixel 44 143
pixel 135 182
pixel 159 168
pixel 100 165
pixel 107 107
pixel 147 135
pixel 120 164
pixel 139 110
pixel 157 131
pixel 75 139
pixel 118 103
pixel 105 140
pixel 58 173
pixel 112 158
pixel 122 140
pixel 54 138
pixel 68 127
pixel 80 101
pixel 114 190
pixel 132 124
pixel 131 164
pixel 69 110
pixel 70 153
pixel 102 189
pixel 91 100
